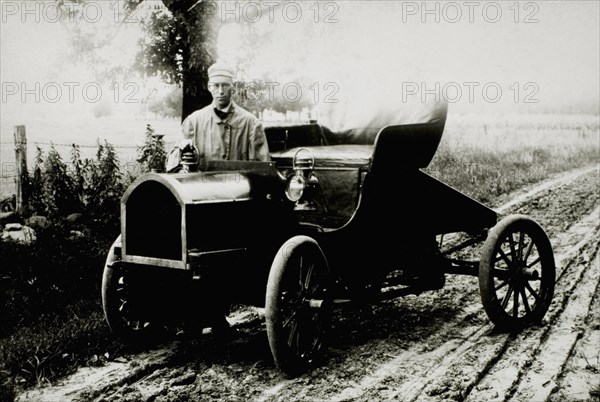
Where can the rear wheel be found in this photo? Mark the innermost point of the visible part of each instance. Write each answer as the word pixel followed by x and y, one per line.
pixel 516 273
pixel 298 305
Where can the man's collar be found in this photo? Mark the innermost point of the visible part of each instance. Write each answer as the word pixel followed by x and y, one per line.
pixel 226 109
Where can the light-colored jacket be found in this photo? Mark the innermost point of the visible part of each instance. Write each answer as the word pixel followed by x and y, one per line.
pixel 238 136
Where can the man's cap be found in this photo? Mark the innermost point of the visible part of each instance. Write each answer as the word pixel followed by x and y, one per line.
pixel 220 70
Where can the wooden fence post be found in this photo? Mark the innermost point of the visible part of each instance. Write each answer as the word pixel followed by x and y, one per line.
pixel 21 166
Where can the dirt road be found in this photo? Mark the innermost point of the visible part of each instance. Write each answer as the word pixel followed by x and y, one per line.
pixel 437 346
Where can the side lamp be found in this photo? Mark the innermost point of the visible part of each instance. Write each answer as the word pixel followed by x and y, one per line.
pixel 301 186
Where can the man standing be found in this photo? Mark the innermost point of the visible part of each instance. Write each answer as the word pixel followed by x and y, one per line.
pixel 222 130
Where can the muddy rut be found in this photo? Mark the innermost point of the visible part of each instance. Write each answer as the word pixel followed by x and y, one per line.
pixel 436 346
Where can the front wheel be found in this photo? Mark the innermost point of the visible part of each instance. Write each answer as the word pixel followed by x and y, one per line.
pixel 516 273
pixel 122 309
pixel 298 305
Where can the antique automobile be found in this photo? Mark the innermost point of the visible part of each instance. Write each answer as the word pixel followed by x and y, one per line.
pixel 333 219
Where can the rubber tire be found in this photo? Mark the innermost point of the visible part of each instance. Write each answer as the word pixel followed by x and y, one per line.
pixel 487 287
pixel 288 358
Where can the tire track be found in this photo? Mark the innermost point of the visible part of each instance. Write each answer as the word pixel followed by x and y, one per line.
pixel 561 179
pixel 93 381
pixel 580 379
pixel 554 352
pixel 88 383
pixel 459 370
pixel 412 363
pixel 506 374
pixel 497 373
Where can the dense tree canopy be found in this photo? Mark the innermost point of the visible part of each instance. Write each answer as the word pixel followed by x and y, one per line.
pixel 179 47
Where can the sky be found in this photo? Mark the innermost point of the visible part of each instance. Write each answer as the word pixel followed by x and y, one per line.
pixel 359 56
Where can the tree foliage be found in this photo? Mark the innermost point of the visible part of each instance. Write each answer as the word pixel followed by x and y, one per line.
pixel 168 105
pixel 161 48
pixel 89 41
pixel 179 46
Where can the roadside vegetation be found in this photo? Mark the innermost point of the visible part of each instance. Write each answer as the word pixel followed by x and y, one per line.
pixel 51 316
pixel 487 158
pixel 51 319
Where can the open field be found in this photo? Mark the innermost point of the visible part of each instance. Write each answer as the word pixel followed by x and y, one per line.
pixel 490 156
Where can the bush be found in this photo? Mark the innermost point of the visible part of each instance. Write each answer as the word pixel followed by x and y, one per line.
pixel 92 186
pixel 152 155
pixel 104 187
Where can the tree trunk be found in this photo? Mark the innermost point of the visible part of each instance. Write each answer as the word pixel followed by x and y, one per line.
pixel 199 24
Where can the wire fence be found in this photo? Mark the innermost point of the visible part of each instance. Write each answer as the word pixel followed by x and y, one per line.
pixel 33 145
pixel 127 155
pixel 73 144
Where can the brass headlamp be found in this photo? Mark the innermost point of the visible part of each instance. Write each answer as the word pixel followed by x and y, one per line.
pixel 302 185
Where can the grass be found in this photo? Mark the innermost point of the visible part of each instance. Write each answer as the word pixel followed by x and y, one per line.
pixel 52 320
pixel 55 345
pixel 487 158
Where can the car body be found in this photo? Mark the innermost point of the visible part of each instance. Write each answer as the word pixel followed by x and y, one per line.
pixel 326 222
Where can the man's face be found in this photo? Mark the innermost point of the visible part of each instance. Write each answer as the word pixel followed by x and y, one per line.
pixel 221 89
